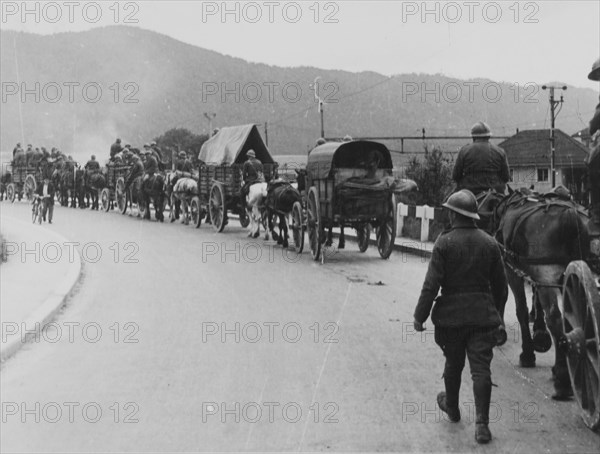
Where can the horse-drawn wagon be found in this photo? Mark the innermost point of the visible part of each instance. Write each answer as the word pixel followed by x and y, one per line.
pixel 115 186
pixel 348 184
pixel 546 243
pixel 24 182
pixel 220 180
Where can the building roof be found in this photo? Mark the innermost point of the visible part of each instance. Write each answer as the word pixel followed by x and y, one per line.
pixel 532 148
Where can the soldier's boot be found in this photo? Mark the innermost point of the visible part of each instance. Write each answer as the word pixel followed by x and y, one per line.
pixel 448 400
pixel 482 389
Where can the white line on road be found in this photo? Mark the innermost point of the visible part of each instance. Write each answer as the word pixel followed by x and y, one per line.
pixel 323 368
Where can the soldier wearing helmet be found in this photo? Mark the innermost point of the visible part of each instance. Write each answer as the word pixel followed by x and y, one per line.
pixel 137 170
pixel 183 163
pixel 481 165
pixel 252 172
pixel 92 165
pixel 593 161
pixel 466 264
pixel 115 148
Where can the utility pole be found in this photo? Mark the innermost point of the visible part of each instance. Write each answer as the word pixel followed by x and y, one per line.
pixel 209 117
pixel 315 87
pixel 266 135
pixel 554 114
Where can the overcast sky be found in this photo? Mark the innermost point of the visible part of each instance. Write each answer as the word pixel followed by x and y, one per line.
pixel 504 41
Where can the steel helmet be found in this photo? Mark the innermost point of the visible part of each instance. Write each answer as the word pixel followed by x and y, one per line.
pixel 182 154
pixel 463 202
pixel 595 73
pixel 480 129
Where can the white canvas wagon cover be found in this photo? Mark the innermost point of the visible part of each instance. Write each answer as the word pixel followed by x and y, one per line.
pixel 231 144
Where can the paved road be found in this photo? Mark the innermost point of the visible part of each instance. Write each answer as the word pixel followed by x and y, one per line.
pixel 315 358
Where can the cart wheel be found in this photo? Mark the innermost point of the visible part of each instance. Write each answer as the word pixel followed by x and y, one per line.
pixel 196 211
pixel 298 227
pixel 216 206
pixel 121 195
pixel 244 219
pixel 363 235
pixel 386 232
pixel 105 199
pixel 11 192
pixel 581 325
pixel 313 223
pixel 30 187
pixel 34 213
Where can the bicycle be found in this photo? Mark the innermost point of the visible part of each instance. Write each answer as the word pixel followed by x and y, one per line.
pixel 37 209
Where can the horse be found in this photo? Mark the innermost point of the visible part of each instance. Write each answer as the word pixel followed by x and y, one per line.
pixel 95 181
pixel 5 180
pixel 280 200
pixel 255 208
pixel 67 187
pixel 540 236
pixel 153 190
pixel 183 190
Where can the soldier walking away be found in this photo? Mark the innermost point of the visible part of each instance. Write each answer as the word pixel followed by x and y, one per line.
pixel 467 264
pixel 115 148
pixel 252 172
pixel 481 165
pixel 593 161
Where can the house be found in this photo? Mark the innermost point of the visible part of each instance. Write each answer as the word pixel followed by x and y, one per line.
pixel 528 154
pixel 583 136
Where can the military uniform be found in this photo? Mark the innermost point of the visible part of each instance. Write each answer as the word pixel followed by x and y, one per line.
pixel 252 171
pixel 115 148
pixel 137 170
pixel 481 166
pixel 151 165
pixel 184 165
pixel 92 165
pixel 467 264
pixel 593 162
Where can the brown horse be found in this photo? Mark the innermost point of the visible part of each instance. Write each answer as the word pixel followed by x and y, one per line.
pixel 541 235
pixel 280 200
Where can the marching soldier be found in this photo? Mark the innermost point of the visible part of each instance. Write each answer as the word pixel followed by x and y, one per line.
pixel 593 162
pixel 467 264
pixel 481 165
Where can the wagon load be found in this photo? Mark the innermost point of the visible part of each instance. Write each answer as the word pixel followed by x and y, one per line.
pixel 365 196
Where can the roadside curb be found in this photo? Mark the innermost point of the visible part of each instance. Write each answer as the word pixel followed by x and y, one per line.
pixel 47 311
pixel 401 244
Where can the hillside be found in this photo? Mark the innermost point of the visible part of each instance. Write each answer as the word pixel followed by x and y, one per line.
pixel 173 78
